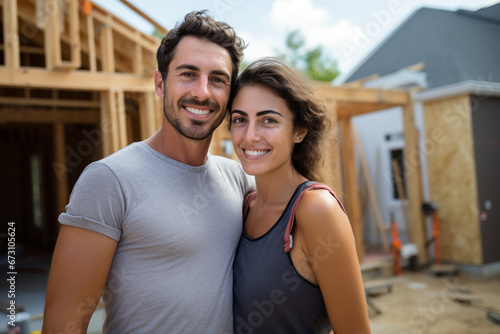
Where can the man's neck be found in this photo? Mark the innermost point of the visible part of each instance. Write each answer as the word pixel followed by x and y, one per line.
pixel 175 146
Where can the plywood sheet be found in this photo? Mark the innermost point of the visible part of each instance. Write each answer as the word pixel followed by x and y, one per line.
pixel 452 178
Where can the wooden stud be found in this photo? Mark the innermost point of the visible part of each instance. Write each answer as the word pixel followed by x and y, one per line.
pixel 30 115
pixel 74 34
pixel 60 168
pixel 147 114
pixel 48 12
pixel 106 124
pixel 400 192
pixel 107 47
pixel 11 35
pixel 414 182
pixel 371 190
pixel 351 198
pixel 91 43
pixel 121 119
pixel 138 61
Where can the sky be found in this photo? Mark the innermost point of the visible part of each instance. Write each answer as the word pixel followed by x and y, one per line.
pixel 346 30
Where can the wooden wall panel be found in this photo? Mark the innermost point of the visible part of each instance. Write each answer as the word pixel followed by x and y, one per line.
pixel 452 178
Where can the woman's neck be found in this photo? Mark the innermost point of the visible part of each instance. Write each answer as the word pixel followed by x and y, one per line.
pixel 277 188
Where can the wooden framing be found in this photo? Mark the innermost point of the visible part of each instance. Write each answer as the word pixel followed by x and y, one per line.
pixel 72 52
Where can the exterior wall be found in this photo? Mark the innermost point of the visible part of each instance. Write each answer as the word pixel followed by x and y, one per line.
pixel 485 123
pixel 452 178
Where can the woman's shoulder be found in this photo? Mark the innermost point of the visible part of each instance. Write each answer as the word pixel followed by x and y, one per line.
pixel 317 207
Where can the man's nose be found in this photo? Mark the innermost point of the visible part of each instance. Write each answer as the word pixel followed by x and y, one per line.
pixel 202 90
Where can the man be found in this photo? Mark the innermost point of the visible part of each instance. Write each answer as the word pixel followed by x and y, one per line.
pixel 153 228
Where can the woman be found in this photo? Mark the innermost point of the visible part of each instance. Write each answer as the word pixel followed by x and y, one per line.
pixel 296 268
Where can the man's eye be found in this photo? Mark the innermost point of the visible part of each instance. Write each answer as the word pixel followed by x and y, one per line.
pixel 219 80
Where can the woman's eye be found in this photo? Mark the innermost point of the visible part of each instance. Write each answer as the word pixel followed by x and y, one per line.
pixel 270 121
pixel 238 120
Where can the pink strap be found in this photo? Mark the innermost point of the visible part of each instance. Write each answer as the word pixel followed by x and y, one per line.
pixel 288 232
pixel 248 200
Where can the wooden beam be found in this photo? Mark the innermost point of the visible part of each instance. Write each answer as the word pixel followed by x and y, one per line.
pixel 371 190
pixel 60 167
pixel 414 182
pixel 400 192
pixel 121 117
pixel 107 47
pixel 74 35
pixel 49 102
pixel 49 11
pixel 148 42
pixel 107 124
pixel 138 61
pixel 91 43
pixel 350 181
pixel 11 35
pixel 350 109
pixel 147 115
pixel 364 95
pixel 158 26
pixel 29 115
pixel 77 80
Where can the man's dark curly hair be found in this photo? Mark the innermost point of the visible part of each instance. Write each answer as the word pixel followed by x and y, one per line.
pixel 199 24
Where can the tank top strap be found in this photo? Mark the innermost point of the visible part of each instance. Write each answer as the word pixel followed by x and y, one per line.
pixel 246 206
pixel 288 233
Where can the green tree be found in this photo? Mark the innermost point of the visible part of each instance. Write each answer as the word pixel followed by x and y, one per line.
pixel 313 62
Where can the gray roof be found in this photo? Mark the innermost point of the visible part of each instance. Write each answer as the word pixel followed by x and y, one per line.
pixel 455 46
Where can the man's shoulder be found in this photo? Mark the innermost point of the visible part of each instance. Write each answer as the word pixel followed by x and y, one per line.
pixel 226 163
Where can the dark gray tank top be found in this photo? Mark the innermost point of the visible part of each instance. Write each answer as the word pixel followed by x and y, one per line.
pixel 270 296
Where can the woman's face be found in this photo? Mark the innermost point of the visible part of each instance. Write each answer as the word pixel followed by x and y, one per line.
pixel 262 131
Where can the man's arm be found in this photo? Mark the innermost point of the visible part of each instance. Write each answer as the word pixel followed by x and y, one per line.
pixel 80 267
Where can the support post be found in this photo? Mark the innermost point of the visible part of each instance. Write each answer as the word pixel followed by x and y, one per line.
pixel 60 161
pixel 11 35
pixel 350 181
pixel 414 182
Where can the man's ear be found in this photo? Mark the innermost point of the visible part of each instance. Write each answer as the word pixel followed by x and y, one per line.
pixel 300 134
pixel 158 83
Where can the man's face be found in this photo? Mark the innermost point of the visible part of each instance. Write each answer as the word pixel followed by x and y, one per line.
pixel 196 90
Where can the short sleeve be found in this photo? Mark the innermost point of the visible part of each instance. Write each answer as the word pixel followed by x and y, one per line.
pixel 97 202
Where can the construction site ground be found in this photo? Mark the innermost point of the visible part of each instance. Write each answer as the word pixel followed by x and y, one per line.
pixel 418 303
pixel 423 303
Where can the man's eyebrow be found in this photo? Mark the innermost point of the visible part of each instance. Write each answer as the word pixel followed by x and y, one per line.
pixel 187 67
pixel 197 69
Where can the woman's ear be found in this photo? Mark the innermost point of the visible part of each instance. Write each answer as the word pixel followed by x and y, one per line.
pixel 300 134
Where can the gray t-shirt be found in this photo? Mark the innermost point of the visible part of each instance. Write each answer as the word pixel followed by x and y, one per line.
pixel 177 228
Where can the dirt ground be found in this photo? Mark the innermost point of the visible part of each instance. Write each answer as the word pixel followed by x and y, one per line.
pixel 421 303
